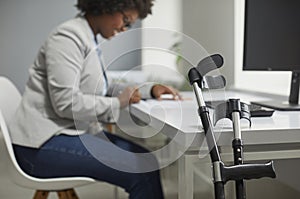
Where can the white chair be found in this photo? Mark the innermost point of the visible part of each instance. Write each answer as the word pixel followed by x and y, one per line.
pixel 9 100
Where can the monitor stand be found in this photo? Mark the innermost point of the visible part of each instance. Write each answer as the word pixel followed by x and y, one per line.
pixel 293 103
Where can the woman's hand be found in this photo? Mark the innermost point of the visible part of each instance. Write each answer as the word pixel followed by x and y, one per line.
pixel 158 89
pixel 128 96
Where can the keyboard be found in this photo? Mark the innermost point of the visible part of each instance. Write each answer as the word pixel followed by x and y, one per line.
pixel 260 111
pixel 255 110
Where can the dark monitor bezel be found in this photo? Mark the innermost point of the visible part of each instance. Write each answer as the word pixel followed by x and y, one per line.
pixel 293 101
pixel 257 67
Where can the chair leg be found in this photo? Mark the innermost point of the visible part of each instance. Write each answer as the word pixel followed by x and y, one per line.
pixel 111 128
pixel 67 194
pixel 116 193
pixel 41 194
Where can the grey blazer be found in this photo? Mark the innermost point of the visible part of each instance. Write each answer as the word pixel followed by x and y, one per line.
pixel 64 88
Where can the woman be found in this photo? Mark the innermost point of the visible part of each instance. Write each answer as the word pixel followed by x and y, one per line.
pixel 67 89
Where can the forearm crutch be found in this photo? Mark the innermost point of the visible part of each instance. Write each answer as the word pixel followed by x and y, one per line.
pixel 235 110
pixel 221 173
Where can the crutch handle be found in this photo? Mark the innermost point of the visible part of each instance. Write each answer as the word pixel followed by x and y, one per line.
pixel 248 171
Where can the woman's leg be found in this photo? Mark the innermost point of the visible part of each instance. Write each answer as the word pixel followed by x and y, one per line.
pixel 66 156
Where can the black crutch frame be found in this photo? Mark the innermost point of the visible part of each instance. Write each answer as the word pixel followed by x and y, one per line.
pixel 234 110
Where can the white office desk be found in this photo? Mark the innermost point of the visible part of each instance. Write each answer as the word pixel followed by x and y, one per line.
pixel 276 137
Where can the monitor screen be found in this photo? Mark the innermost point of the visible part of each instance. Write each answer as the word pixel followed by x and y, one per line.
pixel 272 42
pixel 272 35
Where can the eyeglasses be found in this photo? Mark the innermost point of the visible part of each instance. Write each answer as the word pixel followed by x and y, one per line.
pixel 126 21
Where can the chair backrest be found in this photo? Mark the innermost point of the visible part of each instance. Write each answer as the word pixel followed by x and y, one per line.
pixel 10 98
pixel 9 101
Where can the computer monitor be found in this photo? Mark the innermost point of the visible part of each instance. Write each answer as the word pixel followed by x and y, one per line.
pixel 272 43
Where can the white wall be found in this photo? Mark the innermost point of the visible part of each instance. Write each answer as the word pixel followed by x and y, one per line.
pixel 24 26
pixel 159 31
pixel 204 27
pixel 269 82
pixel 210 23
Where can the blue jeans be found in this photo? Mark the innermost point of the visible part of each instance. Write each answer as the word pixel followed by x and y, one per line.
pixel 68 156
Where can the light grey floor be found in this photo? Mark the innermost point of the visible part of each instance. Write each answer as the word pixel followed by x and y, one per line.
pixel 262 188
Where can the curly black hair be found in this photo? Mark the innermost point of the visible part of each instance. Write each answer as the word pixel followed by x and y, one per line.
pixel 99 7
